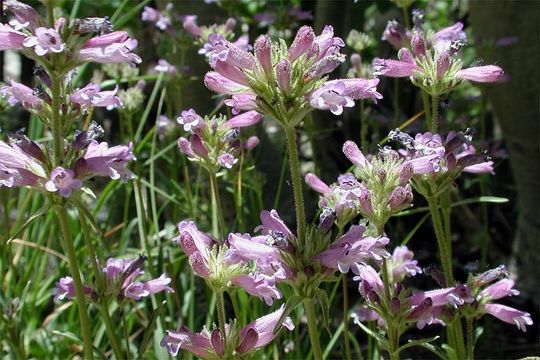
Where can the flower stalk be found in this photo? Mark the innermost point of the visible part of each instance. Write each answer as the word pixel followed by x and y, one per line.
pixel 435 114
pixel 312 328
pixel 294 163
pixel 218 223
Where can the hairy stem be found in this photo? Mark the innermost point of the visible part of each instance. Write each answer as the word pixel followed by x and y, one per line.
pixel 294 163
pixel 470 338
pixel 434 114
pixel 312 328
pixel 346 318
pixel 220 306
pixel 218 223
pixel 427 109
pixel 446 261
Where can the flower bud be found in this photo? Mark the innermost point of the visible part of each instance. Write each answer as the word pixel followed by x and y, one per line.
pixel 395 305
pixel 283 75
pixel 395 34
pixel 405 55
pixel 443 63
pixel 356 60
pixel 397 198
pixel 197 146
pixel 326 219
pixel 29 147
pixel 353 153
pixel 190 25
pixel 317 184
pixel 263 52
pixel 406 172
pixel 185 147
pixel 418 45
pixel 230 24
pixel 217 342
pixel 365 202
pixel 302 42
pixel 251 142
pixel 381 174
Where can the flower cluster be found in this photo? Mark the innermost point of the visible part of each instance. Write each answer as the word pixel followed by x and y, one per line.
pixel 286 83
pixel 161 19
pixel 24 162
pixel 214 142
pixel 237 342
pixel 430 59
pixel 378 189
pixel 121 282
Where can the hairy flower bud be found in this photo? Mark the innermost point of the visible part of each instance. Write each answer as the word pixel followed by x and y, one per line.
pixel 302 42
pixel 283 75
pixel 263 52
pixel 418 45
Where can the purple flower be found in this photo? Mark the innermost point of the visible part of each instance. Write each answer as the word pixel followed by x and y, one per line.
pixel 196 246
pixel 273 225
pixel 371 286
pixel 121 277
pixel 296 12
pixel 65 288
pixel 317 184
pixel 190 25
pixel 401 264
pixel 18 168
pixel 243 120
pixel 152 15
pixel 263 327
pixel 302 43
pixel 90 96
pixel 394 68
pixel 259 285
pixel 197 344
pixel 251 142
pixel 220 84
pixel 25 14
pixel 482 74
pixel 336 94
pixel 500 289
pixel 454 296
pixel 10 38
pixel 190 120
pixel 242 102
pixel 63 181
pixel 352 249
pixel 115 47
pixel 101 160
pixel 509 315
pixel 396 34
pixel 45 41
pixel 263 52
pixel 19 93
pixel 164 67
pixel 227 160
pixel 451 33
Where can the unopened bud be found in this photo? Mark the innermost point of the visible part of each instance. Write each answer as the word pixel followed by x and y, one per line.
pixel 395 305
pixel 418 45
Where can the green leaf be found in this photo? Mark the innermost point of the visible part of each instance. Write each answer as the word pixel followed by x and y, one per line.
pixel 381 339
pixel 322 298
pixel 28 222
pixel 450 352
pixel 418 342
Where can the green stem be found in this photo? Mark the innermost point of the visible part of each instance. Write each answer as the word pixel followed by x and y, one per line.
pixel 446 261
pixel 312 328
pixel 346 317
pixel 220 306
pixel 470 338
pixel 393 336
pixel 103 306
pixel 434 114
pixel 74 269
pixel 406 19
pixel 218 223
pixel 427 108
pixel 56 120
pixel 294 163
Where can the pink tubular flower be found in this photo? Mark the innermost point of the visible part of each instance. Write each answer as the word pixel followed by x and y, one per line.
pixel 90 96
pixel 121 277
pixel 259 285
pixel 155 16
pixel 396 34
pixel 301 43
pixel 19 93
pixel 482 74
pixel 63 181
pixel 352 249
pixel 509 315
pixel 190 25
pixel 500 289
pixel 115 47
pixel 263 52
pixel 45 41
pixel 164 67
pixel 65 289
pixel 317 184
pixel 197 344
pixel 336 94
pixel 10 38
pixel 196 246
pixel 101 160
pixel 227 160
pixel 246 119
pixel 455 296
pixel 393 68
pixel 241 102
pixel 18 168
pixel 220 84
pixel 451 33
pixel 263 327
